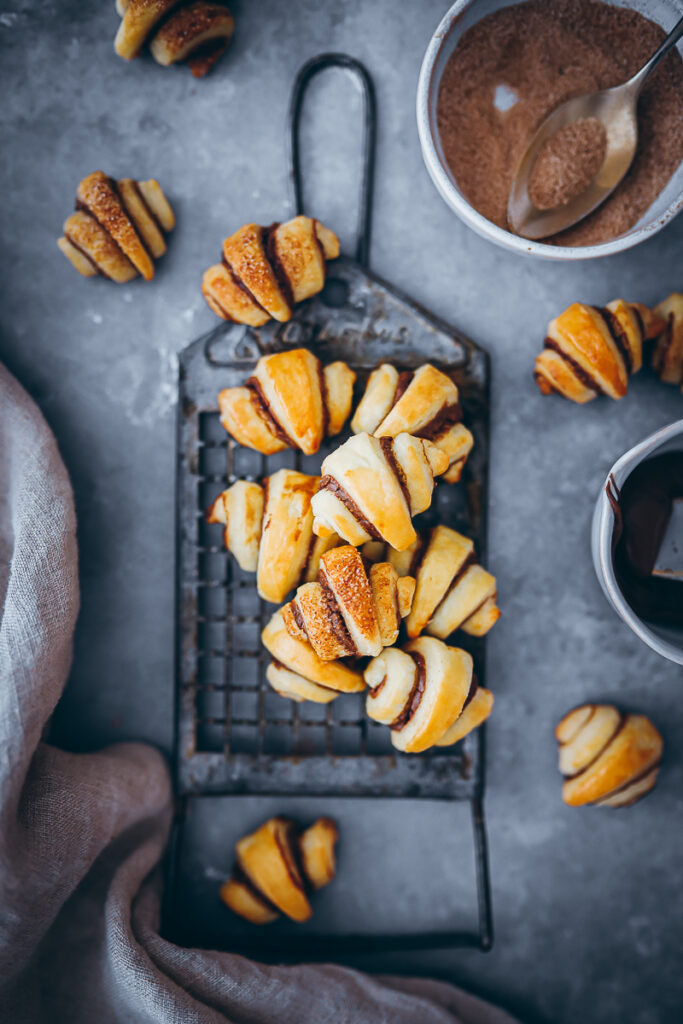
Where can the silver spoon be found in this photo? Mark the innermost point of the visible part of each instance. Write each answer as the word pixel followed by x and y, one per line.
pixel 616 109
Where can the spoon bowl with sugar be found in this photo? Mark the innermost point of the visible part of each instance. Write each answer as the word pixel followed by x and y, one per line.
pixel 579 154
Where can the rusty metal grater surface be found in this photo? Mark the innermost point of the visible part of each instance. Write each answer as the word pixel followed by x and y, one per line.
pixel 236 735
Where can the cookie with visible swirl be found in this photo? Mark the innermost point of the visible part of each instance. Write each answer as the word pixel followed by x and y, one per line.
pixel 423 402
pixel 278 867
pixel 426 693
pixel 197 32
pixel 371 488
pixel 265 271
pixel 591 351
pixel 608 758
pixel 290 401
pixel 118 229
pixel 347 611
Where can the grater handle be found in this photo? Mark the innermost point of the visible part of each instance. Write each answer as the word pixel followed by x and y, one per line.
pixel 307 72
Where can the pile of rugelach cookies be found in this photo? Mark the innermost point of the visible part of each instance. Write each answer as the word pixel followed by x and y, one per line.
pixel 339 551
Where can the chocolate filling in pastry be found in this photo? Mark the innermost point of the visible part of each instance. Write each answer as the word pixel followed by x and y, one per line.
pixel 416 694
pixel 445 418
pixel 474 686
pixel 404 381
pixel 618 335
pixel 330 483
pixel 387 446
pixel 576 368
pixel 336 619
pixel 269 243
pixel 263 405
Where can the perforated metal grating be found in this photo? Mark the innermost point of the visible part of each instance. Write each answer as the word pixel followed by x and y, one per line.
pixel 235 733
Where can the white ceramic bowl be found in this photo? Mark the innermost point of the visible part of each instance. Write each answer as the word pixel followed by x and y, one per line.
pixel 667 641
pixel 461 16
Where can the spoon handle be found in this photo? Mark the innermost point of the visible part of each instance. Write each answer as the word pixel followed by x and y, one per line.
pixel 639 79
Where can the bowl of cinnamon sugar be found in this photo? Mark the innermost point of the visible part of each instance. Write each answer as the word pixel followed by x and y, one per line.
pixel 493 71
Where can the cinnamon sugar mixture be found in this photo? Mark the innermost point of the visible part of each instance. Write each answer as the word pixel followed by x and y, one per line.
pixel 567 162
pixel 516 65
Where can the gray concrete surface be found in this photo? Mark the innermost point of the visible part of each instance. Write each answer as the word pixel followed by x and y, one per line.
pixel 587 903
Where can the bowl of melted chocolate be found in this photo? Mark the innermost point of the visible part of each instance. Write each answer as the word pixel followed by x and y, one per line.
pixel 492 73
pixel 637 540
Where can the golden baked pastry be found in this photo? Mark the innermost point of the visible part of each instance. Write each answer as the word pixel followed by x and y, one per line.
pixel 317 848
pixel 118 228
pixel 607 757
pixel 197 32
pixel 269 530
pixel 277 865
pixel 240 510
pixel 591 351
pixel 667 354
pixel 372 487
pixel 243 899
pixel 452 591
pixel 422 402
pixel 426 694
pixel 476 710
pixel 265 271
pixel 298 673
pixel 290 401
pixel 348 612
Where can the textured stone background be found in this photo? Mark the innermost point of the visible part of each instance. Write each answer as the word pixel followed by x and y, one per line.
pixel 587 903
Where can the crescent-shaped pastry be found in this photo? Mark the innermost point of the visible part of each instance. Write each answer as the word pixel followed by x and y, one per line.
pixel 290 401
pixel 592 350
pixel 277 866
pixel 240 510
pixel 299 658
pixel 372 487
pixel 273 268
pixel 198 33
pixel 608 758
pixel 348 612
pixel 419 691
pixel 269 530
pixel 98 195
pixel 667 354
pixel 287 543
pixel 268 859
pixel 118 228
pixel 452 591
pixel 424 402
pixel 139 18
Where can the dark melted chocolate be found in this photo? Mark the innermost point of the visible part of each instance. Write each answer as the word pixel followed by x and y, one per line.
pixel 642 512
